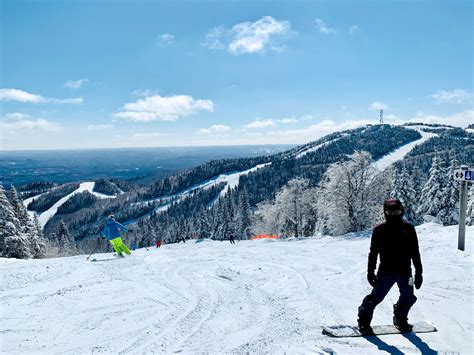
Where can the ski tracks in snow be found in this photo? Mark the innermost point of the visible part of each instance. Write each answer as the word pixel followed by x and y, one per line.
pixel 212 297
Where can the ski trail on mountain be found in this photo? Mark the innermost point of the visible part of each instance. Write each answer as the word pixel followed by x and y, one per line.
pixel 399 153
pixel 84 186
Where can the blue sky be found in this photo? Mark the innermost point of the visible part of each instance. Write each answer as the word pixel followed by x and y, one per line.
pixel 95 74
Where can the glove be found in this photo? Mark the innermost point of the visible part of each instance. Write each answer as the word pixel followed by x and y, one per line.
pixel 371 278
pixel 418 280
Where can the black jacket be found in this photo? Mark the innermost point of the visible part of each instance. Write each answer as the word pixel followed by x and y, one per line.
pixel 397 245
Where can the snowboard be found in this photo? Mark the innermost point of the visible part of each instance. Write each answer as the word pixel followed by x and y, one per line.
pixel 342 331
pixel 97 260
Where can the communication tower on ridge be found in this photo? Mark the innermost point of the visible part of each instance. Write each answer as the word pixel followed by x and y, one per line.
pixel 381 116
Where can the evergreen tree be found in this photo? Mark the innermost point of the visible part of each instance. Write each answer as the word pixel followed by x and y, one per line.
pixel 404 191
pixel 13 244
pixel 450 212
pixel 65 242
pixel 243 214
pixel 432 196
pixel 28 227
pixel 417 181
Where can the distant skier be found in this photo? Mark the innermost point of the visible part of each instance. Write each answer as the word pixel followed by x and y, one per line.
pixel 231 239
pixel 396 242
pixel 112 232
pixel 158 243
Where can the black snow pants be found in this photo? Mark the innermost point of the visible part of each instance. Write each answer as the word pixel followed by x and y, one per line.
pixel 382 286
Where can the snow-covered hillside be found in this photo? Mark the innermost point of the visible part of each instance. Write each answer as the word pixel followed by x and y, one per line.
pixel 213 297
pixel 46 215
pixel 230 180
pixel 399 154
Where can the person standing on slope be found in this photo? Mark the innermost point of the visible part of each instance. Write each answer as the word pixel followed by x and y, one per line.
pixel 397 244
pixel 231 239
pixel 112 232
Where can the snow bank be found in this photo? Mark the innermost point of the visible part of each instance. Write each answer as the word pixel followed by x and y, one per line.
pixel 215 297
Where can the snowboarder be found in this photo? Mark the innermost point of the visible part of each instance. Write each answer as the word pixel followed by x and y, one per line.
pixel 231 239
pixel 158 243
pixel 396 242
pixel 111 231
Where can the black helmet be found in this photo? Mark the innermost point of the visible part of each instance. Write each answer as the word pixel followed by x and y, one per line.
pixel 393 209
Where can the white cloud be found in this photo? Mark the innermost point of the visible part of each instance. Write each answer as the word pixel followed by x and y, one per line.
pixel 287 120
pixel 215 128
pixel 99 127
pixel 22 123
pixel 166 39
pixel 141 93
pixel 459 119
pixel 353 30
pixel 456 96
pixel 377 105
pixel 74 101
pixel 165 108
pixel 249 37
pixel 214 38
pixel 261 124
pixel 20 96
pixel 76 84
pixel 26 97
pixel 253 37
pixel 322 27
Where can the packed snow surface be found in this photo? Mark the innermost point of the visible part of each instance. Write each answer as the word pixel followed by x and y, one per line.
pixel 213 297
pixel 399 154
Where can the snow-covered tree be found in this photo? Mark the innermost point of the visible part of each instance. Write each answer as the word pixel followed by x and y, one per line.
pixel 289 214
pixel 243 218
pixel 449 214
pixel 351 195
pixel 432 196
pixel 470 206
pixel 28 227
pixel 13 243
pixel 64 239
pixel 417 181
pixel 404 191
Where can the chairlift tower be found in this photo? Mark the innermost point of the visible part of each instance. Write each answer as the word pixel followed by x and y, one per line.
pixel 381 116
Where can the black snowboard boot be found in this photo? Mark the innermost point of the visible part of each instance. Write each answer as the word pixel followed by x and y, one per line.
pixel 402 325
pixel 364 326
pixel 400 321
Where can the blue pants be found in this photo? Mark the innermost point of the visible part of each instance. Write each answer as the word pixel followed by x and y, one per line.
pixel 382 287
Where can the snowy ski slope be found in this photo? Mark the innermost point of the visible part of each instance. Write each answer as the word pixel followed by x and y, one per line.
pixel 213 297
pixel 399 154
pixel 46 215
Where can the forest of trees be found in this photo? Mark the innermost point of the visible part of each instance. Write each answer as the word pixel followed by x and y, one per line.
pixel 20 235
pixel 333 190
